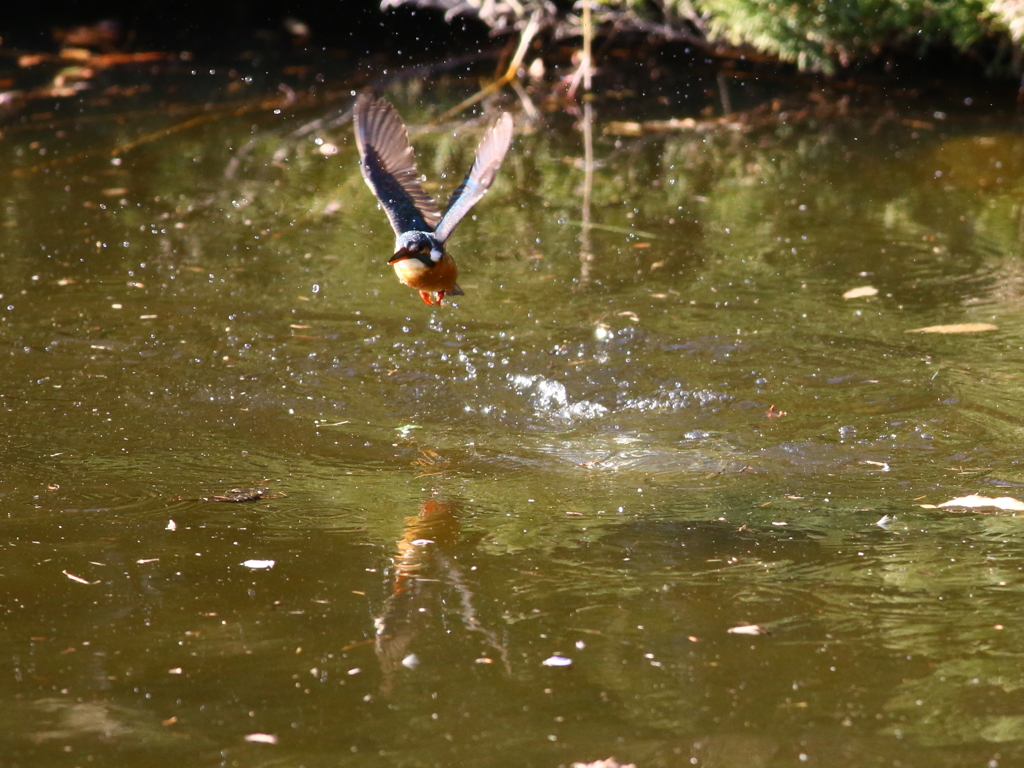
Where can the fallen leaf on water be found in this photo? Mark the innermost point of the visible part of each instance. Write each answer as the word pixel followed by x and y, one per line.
pixel 747 629
pixel 974 501
pixel 261 738
pixel 556 661
pixel 258 564
pixel 860 293
pixel 237 495
pixel 956 328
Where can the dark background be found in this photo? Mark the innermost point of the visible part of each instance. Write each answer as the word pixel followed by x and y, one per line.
pixel 209 27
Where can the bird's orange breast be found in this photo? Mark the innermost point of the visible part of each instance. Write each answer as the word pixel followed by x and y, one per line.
pixel 416 274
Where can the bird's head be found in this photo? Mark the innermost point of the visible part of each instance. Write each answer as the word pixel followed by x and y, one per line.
pixel 418 245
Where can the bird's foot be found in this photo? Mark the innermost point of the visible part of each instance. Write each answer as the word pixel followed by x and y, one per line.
pixel 428 299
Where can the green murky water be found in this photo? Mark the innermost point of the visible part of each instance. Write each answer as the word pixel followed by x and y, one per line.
pixel 573 463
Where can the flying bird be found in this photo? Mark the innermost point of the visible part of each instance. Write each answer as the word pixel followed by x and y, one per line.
pixel 421 260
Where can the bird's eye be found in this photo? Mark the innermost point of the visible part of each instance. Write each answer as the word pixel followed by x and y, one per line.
pixel 435 255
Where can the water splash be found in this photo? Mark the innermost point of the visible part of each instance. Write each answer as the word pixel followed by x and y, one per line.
pixel 551 398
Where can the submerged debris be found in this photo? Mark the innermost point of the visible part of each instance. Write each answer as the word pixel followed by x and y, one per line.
pixel 239 495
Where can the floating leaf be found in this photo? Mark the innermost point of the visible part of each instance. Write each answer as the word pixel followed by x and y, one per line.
pixel 557 661
pixel 956 328
pixel 261 738
pixel 860 293
pixel 974 501
pixel 747 629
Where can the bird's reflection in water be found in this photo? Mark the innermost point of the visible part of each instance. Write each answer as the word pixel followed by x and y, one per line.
pixel 426 571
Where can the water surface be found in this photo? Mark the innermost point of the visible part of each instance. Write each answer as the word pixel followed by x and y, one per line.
pixel 613 450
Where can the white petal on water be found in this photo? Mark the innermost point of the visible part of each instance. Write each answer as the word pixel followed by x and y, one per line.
pixel 861 292
pixel 261 738
pixel 974 501
pixel 258 564
pixel 610 762
pixel 557 661
pixel 747 629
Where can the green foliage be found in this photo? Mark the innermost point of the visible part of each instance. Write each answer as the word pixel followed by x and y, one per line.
pixel 816 34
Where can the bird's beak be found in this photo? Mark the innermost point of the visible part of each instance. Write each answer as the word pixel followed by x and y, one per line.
pixel 402 255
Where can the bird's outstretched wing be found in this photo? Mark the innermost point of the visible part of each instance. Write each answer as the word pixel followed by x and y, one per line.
pixel 489 155
pixel 389 167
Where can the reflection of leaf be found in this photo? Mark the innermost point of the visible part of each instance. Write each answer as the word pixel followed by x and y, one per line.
pixel 956 328
pixel 973 501
pixel 858 293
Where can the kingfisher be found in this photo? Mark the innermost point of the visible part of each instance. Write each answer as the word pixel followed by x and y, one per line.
pixel 421 260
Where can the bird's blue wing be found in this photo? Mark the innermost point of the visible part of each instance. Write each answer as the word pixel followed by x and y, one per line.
pixel 489 156
pixel 389 167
